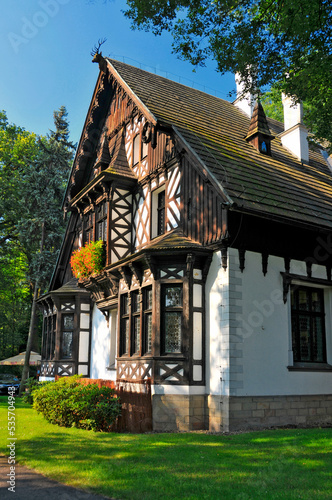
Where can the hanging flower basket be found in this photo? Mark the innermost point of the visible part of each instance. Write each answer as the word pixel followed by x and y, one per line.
pixel 88 260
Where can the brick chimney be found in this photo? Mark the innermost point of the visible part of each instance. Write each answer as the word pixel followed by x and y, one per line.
pixel 295 136
pixel 244 100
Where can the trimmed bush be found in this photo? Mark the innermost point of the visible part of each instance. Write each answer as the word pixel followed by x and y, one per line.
pixel 31 384
pixel 69 403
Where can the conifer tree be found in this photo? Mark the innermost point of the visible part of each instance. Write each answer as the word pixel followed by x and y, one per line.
pixel 42 228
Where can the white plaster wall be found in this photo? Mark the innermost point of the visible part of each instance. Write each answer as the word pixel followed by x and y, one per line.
pixel 217 328
pixel 101 346
pixel 264 323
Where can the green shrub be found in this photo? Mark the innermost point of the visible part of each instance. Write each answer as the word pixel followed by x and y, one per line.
pixel 31 384
pixel 69 403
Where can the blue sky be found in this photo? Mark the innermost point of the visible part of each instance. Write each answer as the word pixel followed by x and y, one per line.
pixel 45 58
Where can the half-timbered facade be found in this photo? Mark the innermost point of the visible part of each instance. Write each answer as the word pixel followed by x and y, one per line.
pixel 217 278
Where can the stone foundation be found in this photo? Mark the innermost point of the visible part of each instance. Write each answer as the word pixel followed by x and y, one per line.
pixel 179 413
pixel 227 414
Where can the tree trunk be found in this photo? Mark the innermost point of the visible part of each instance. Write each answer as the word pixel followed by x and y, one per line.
pixel 32 326
pixel 33 317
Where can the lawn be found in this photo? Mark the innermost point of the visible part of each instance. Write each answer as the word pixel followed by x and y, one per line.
pixel 276 464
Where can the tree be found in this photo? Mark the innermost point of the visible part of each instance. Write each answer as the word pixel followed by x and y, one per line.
pixel 42 227
pixel 285 44
pixel 18 148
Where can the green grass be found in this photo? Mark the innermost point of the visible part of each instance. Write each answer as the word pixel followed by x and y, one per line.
pixel 282 464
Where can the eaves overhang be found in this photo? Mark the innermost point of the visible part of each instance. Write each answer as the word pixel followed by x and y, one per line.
pixel 141 106
pixel 98 185
pixel 288 220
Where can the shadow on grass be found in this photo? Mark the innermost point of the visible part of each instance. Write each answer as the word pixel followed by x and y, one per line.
pixel 282 464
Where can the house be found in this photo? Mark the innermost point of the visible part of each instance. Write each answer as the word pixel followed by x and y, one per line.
pixel 217 282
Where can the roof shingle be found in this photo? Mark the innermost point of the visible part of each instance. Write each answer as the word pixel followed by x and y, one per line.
pixel 215 129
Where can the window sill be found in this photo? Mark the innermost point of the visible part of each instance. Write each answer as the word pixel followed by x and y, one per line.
pixel 310 367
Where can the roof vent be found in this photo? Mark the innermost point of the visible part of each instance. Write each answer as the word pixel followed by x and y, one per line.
pixel 259 134
pixel 295 136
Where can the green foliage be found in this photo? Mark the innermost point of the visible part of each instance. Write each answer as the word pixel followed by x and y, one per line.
pixel 287 43
pixel 14 300
pixel 31 384
pixel 33 175
pixel 69 403
pixel 88 259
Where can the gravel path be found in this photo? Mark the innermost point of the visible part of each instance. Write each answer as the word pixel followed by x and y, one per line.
pixel 30 485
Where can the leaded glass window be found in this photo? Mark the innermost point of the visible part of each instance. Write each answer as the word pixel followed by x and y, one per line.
pixel 124 325
pixel 147 318
pixel 88 227
pixel 136 315
pixel 101 215
pixel 172 310
pixel 67 336
pixel 308 324
pixel 49 329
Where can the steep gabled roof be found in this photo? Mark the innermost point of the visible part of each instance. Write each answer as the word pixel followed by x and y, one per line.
pixel 214 129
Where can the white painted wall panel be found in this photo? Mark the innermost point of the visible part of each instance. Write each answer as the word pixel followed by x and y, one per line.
pixel 101 346
pixel 83 347
pixel 197 336
pixel 266 331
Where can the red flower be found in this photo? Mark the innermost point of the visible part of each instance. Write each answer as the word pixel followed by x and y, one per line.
pixel 88 259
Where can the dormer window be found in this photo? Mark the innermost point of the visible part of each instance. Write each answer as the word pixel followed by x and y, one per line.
pixel 259 134
pixel 263 147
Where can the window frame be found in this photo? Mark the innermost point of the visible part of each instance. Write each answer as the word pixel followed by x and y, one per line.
pixel 101 220
pixel 67 330
pixel 147 315
pixel 135 316
pixel 88 227
pixel 137 149
pixel 164 310
pixel 156 210
pixel 296 313
pixel 124 344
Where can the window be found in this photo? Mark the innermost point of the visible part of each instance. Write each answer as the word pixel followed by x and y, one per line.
pixel 67 336
pixel 101 217
pixel 136 322
pixel 308 324
pixel 158 212
pixel 172 318
pixel 124 325
pixel 144 150
pixel 147 319
pixel 136 149
pixel 88 227
pixel 49 329
pixel 161 213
